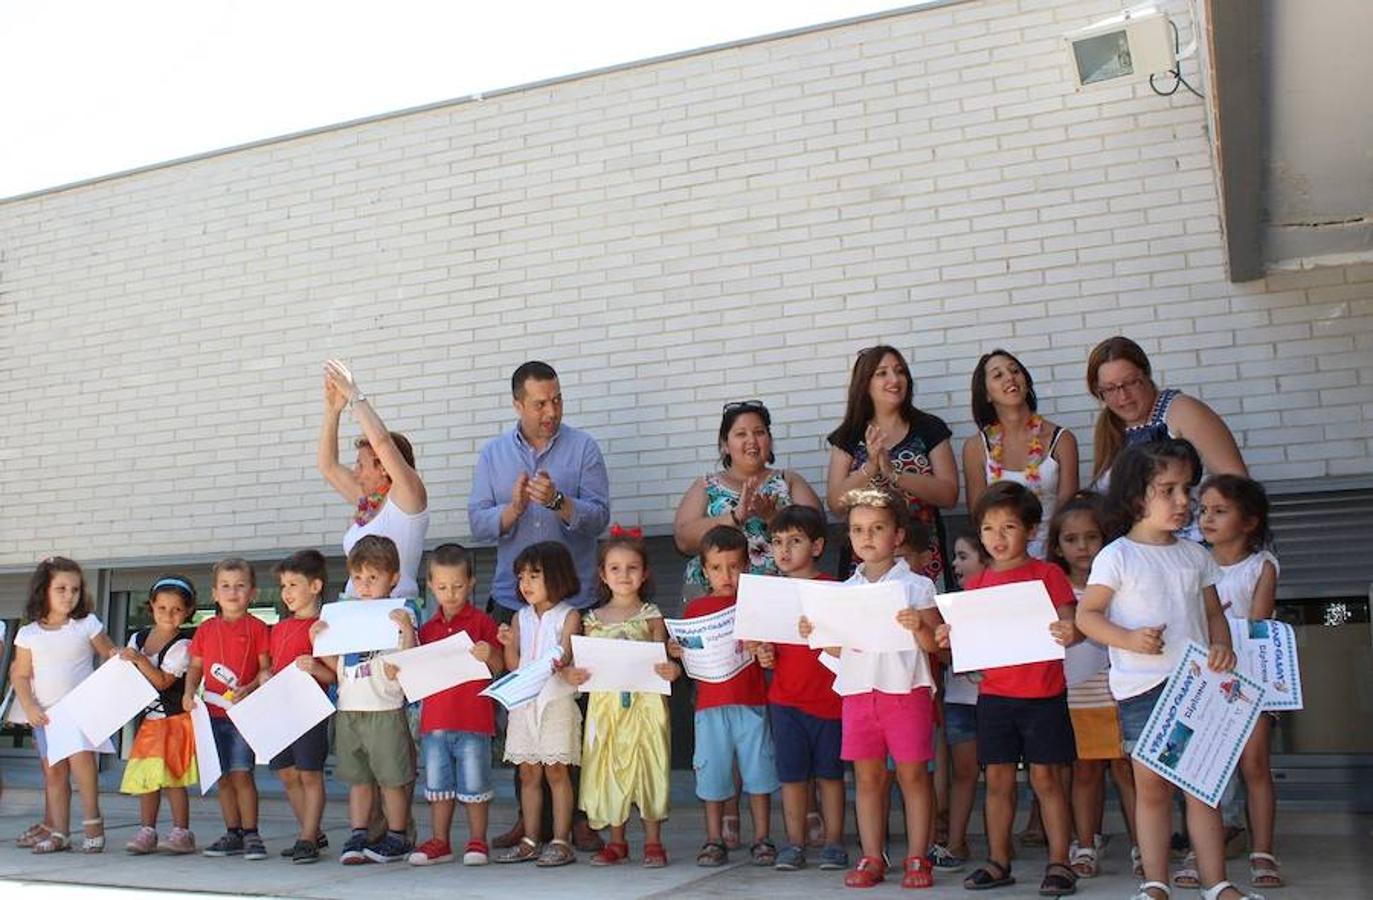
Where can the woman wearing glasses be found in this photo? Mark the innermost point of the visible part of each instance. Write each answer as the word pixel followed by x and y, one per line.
pixel 743 494
pixel 1135 411
pixel 885 442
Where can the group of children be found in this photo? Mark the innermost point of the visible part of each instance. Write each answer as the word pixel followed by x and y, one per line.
pixel 791 717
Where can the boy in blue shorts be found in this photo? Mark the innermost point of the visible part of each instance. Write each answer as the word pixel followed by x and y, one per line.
pixel 731 716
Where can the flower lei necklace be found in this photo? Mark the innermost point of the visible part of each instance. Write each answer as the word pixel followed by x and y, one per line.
pixel 370 504
pixel 1034 454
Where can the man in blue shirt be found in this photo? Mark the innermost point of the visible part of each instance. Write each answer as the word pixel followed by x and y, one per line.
pixel 540 481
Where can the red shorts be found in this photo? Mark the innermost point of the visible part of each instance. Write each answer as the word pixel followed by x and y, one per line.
pixel 878 725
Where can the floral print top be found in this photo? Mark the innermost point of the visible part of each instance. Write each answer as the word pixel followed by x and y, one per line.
pixel 720 499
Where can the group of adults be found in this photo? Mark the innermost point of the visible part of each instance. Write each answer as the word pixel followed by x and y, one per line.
pixel 541 480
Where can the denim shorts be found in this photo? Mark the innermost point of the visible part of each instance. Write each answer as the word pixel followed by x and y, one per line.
pixel 234 753
pixel 1135 712
pixel 727 733
pixel 457 766
pixel 960 723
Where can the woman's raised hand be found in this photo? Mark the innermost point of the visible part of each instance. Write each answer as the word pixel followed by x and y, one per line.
pixel 337 374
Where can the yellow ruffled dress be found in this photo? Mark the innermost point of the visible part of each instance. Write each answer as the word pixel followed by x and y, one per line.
pixel 625 748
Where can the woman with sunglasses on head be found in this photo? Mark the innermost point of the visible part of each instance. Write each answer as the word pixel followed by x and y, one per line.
pixel 743 494
pixel 886 443
pixel 1135 411
pixel 1015 443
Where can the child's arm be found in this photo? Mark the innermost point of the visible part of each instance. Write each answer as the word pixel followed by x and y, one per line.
pixel 1091 619
pixel 667 670
pixel 264 675
pixel 572 673
pixel 21 674
pixel 159 679
pixel 572 625
pixel 482 651
pixel 509 636
pixel 104 647
pixel 321 667
pixel 1063 628
pixel 408 637
pixel 805 629
pixel 1265 600
pixel 1221 656
pixel 194 672
pixel 766 654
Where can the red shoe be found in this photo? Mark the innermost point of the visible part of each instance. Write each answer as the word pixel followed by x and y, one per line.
pixel 918 873
pixel 870 872
pixel 476 853
pixel 612 854
pixel 655 856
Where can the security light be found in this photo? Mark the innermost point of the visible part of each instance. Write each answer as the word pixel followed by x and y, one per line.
pixel 1137 43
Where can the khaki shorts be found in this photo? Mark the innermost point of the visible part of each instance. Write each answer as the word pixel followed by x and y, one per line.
pixel 374 748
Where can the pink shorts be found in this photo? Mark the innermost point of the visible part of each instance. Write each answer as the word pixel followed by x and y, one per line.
pixel 878 725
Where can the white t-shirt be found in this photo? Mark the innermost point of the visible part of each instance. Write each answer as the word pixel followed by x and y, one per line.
pixel 890 673
pixel 1237 583
pixel 175 663
pixel 1154 584
pixel 407 531
pixel 363 685
pixel 62 657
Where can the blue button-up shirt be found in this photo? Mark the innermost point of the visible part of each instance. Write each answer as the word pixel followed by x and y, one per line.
pixel 574 462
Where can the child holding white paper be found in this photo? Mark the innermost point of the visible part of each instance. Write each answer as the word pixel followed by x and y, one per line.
pixel 1022 710
pixel 1076 535
pixel 371 734
pixel 1234 519
pixel 888 703
pixel 1148 595
pixel 52 655
pixel 303 577
pixel 803 709
pixel 544 738
pixel 958 704
pixel 731 716
pixel 163 756
pixel 626 750
pixel 457 724
pixel 228 651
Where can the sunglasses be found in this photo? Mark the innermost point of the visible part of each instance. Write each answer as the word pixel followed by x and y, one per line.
pixel 744 406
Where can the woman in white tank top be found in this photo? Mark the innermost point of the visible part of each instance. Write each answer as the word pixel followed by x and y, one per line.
pixel 1015 443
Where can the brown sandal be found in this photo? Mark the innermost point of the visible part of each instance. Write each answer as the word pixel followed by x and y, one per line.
pixel 556 853
pixel 32 835
pixel 526 850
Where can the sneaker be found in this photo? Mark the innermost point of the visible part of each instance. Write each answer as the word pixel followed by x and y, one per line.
pixel 179 840
pixel 430 852
pixel 304 852
pixel 833 858
pixel 790 859
pixel 476 853
pixel 253 848
pixel 144 841
pixel 227 844
pixel 354 850
pixel 391 848
pixel 945 860
pixel 320 843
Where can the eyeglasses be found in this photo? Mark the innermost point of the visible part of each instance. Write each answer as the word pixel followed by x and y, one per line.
pixel 744 406
pixel 1115 390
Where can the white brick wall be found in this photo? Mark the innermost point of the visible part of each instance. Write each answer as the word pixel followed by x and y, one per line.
pixel 725 225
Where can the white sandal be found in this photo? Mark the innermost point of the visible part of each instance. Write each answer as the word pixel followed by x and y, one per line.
pixel 55 842
pixel 1265 871
pixel 95 844
pixel 1187 876
pixel 1083 862
pixel 1220 887
pixel 1146 887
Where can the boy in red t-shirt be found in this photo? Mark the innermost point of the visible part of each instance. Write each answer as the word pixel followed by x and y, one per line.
pixel 456 725
pixel 303 577
pixel 228 651
pixel 731 716
pixel 1022 710
pixel 804 710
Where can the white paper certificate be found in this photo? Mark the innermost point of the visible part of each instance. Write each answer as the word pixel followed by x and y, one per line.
pixel 108 698
pixel 1199 726
pixel 357 626
pixel 1004 625
pixel 430 668
pixel 858 617
pixel 206 753
pixel 1267 652
pixel 618 665
pixel 514 689
pixel 710 651
pixel 768 609
pixel 274 715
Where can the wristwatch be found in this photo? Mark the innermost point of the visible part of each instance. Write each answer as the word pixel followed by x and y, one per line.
pixel 557 502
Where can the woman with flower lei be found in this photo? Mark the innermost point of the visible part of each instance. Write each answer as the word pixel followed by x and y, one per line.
pixel 1015 443
pixel 388 494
